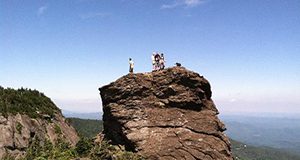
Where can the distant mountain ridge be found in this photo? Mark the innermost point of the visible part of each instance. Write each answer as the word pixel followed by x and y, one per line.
pixel 241 151
pixel 92 115
pixel 277 132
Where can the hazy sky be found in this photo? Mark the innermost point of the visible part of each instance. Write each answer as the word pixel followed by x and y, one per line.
pixel 249 50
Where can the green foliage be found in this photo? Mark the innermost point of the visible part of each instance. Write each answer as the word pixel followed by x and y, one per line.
pixel 107 151
pixel 8 157
pixel 19 127
pixel 62 150
pixel 86 127
pixel 26 101
pixel 83 146
pixel 47 151
pixel 57 129
pixel 102 151
pixel 34 150
pixel 125 155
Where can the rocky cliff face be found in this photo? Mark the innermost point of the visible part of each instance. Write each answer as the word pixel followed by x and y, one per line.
pixel 19 131
pixel 28 116
pixel 167 114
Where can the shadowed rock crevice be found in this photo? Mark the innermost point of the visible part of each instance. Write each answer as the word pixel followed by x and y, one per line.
pixel 167 114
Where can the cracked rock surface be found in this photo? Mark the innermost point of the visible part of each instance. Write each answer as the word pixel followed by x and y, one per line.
pixel 167 114
pixel 18 131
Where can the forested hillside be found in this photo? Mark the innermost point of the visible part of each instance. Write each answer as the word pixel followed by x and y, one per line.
pixel 26 101
pixel 86 127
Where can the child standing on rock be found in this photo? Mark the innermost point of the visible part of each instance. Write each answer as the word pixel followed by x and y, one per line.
pixel 131 65
pixel 153 60
pixel 162 62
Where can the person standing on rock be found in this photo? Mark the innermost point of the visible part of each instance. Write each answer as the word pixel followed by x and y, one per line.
pixel 153 61
pixel 131 65
pixel 162 62
pixel 157 59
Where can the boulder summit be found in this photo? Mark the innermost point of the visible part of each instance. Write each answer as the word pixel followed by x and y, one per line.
pixel 166 114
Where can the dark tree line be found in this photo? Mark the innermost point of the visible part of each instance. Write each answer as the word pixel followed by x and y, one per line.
pixel 26 101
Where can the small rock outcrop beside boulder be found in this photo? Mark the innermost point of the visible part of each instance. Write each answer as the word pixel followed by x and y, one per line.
pixel 166 114
pixel 17 133
pixel 29 117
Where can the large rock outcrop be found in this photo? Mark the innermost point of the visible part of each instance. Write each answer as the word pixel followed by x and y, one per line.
pixel 28 116
pixel 167 114
pixel 19 131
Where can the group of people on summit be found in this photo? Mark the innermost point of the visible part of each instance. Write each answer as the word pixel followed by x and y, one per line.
pixel 158 62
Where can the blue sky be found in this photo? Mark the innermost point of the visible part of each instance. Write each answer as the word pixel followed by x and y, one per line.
pixel 249 50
